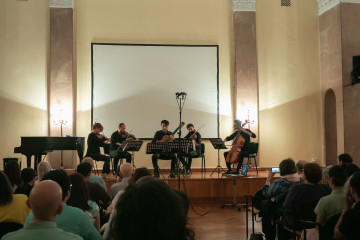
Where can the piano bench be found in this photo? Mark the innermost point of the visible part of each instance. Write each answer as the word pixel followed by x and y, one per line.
pixel 5 160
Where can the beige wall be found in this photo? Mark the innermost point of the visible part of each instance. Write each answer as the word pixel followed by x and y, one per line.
pixel 24 32
pixel 161 22
pixel 289 81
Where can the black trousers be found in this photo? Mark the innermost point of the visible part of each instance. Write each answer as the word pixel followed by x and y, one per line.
pixel 170 156
pixel 190 156
pixel 117 155
pixel 241 159
pixel 103 158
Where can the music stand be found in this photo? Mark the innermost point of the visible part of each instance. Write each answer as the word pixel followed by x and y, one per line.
pixel 179 146
pixel 217 144
pixel 133 146
pixel 157 148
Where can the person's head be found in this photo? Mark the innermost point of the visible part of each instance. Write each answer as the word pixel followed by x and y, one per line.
pixel 42 169
pixel 350 168
pixel 344 158
pixel 164 125
pixel 300 166
pixel 97 128
pixel 84 169
pixel 61 178
pixel 325 173
pixel 312 173
pixel 79 192
pixel 162 216
pixel 354 186
pixel 126 169
pixel 13 172
pixel 139 173
pixel 45 201
pixel 237 124
pixel 121 128
pixel 337 176
pixel 28 175
pixel 6 191
pixel 190 127
pixel 287 167
pixel 88 160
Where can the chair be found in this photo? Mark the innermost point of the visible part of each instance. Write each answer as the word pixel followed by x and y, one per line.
pixel 7 227
pixel 253 150
pixel 202 156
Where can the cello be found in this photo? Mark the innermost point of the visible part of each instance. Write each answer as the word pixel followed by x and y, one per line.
pixel 238 143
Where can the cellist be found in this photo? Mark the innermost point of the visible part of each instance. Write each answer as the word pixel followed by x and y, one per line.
pixel 246 134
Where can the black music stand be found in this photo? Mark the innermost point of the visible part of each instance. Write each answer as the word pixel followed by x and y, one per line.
pixel 217 144
pixel 157 148
pixel 179 146
pixel 133 146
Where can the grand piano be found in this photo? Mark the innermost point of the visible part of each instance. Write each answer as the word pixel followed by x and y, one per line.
pixel 39 146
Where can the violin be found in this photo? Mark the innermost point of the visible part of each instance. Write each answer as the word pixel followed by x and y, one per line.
pixel 238 143
pixel 102 136
pixel 167 138
pixel 127 136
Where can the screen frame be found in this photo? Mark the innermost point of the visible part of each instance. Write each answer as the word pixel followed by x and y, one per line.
pixel 162 45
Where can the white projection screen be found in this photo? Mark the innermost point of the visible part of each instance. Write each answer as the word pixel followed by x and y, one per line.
pixel 136 84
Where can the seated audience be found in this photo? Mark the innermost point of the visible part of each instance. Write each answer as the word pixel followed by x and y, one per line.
pixel 325 174
pixel 96 192
pixel 300 167
pixel 71 219
pixel 45 203
pixel 79 198
pixel 13 207
pixel 332 204
pixel 162 216
pixel 28 176
pixel 93 178
pixel 302 199
pixel 125 171
pixel 348 224
pixel 274 195
pixel 344 158
pixel 13 172
pixel 349 168
pixel 42 169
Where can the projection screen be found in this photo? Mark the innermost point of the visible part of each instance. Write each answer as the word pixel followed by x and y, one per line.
pixel 136 84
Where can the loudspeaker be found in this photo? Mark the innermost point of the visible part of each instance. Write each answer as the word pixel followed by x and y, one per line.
pixel 355 74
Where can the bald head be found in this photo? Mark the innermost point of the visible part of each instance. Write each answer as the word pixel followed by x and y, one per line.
pixel 45 201
pixel 89 160
pixel 126 169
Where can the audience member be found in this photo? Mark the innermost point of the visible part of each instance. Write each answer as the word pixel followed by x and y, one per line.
pixel 332 204
pixel 162 216
pixel 71 219
pixel 42 169
pixel 13 207
pixel 12 171
pixel 28 176
pixel 349 168
pixel 348 225
pixel 325 175
pixel 344 158
pixel 302 199
pixel 274 195
pixel 139 173
pixel 93 178
pixel 79 198
pixel 300 167
pixel 96 192
pixel 125 171
pixel 45 203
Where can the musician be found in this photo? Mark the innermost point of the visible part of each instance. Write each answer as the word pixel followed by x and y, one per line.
pixel 196 137
pixel 247 134
pixel 117 138
pixel 95 141
pixel 157 137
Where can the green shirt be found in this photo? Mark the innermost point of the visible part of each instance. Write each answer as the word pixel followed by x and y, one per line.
pixel 42 230
pixel 75 221
pixel 330 205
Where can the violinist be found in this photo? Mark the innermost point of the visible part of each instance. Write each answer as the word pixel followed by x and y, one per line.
pixel 95 141
pixel 160 136
pixel 193 152
pixel 117 138
pixel 246 134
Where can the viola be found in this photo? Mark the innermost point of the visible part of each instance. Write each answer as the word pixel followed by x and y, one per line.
pixel 167 138
pixel 238 143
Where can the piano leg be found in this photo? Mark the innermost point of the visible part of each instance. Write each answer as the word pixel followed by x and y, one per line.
pixel 80 151
pixel 28 161
pixel 37 160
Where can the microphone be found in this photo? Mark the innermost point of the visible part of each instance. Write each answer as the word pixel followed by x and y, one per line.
pixel 178 94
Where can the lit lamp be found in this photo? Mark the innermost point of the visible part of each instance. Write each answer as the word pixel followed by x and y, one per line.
pixel 248 121
pixel 61 122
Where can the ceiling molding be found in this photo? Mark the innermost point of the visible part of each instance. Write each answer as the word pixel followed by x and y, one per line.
pixel 244 5
pixel 325 5
pixel 61 3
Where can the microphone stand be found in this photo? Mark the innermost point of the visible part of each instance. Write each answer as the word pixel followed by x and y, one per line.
pixel 180 99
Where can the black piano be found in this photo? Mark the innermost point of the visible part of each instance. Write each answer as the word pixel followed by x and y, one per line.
pixel 39 146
